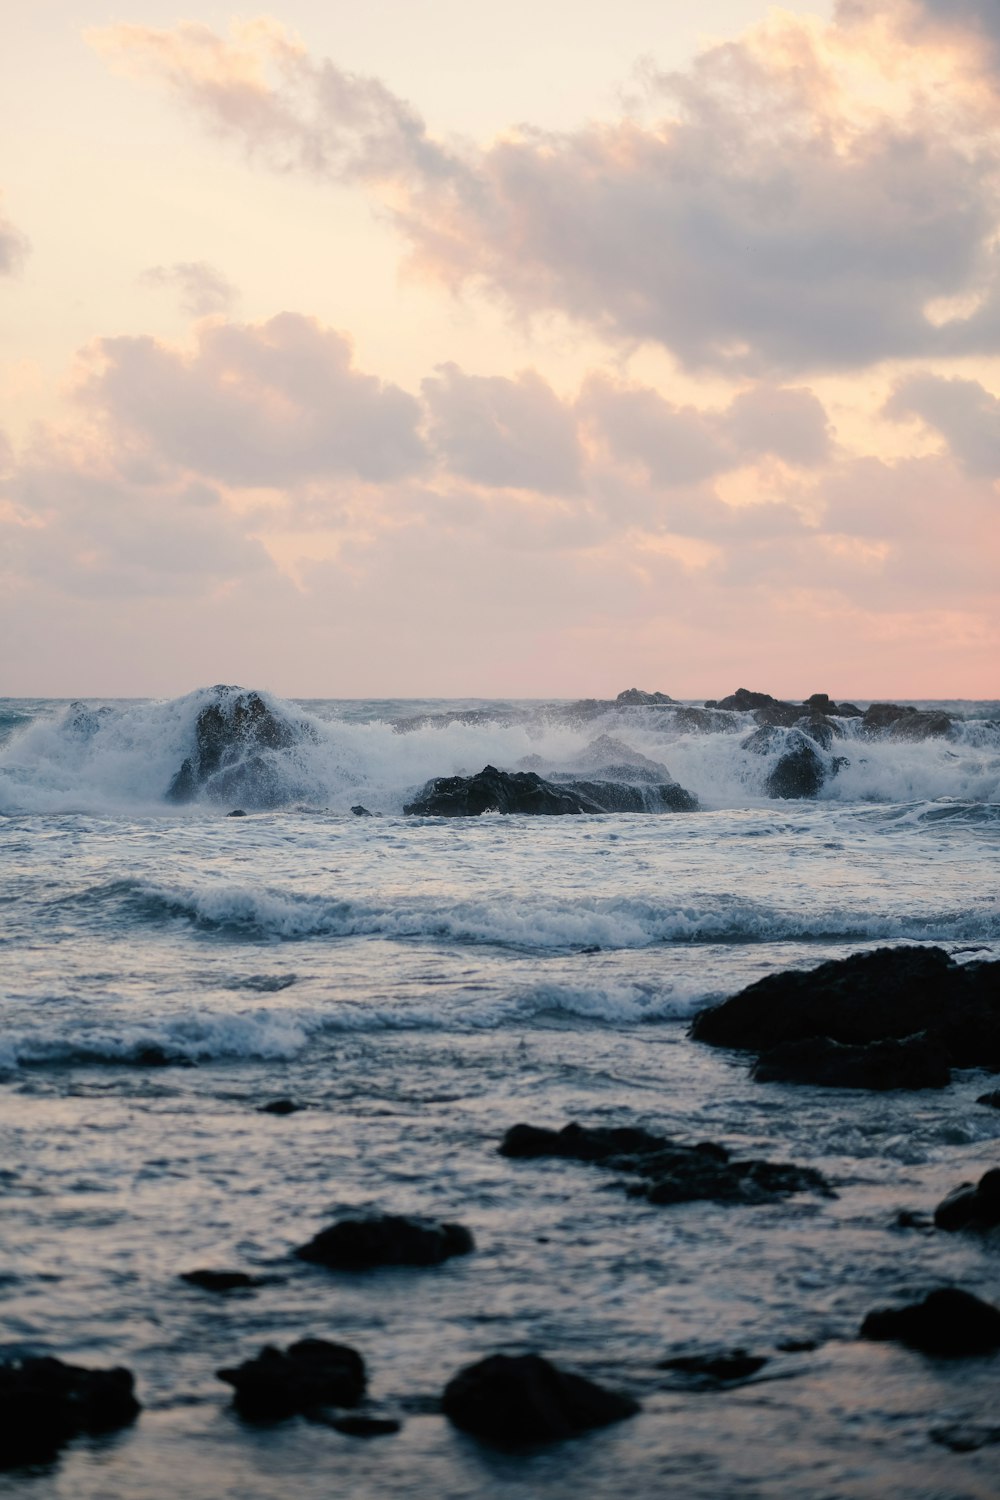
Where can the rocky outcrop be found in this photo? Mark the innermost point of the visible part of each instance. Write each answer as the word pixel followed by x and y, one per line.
pixel 520 1400
pixel 385 1240
pixel 311 1373
pixel 528 793
pixel 44 1404
pixel 667 1172
pixel 913 1063
pixel 890 993
pixel 971 1205
pixel 901 722
pixel 219 1281
pixel 800 770
pixel 230 761
pixel 948 1322
pixel 636 698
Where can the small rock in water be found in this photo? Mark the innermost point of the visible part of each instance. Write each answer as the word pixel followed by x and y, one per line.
pixel 965 1437
pixel 993 1100
pixel 45 1403
pixel 385 1240
pixel 949 1322
pixel 912 1063
pixel 796 1346
pixel 310 1373
pixel 580 1142
pixel 909 1218
pixel 360 812
pixel 716 1369
pixel 358 1424
pixel 279 1107
pixel 237 812
pixel 971 1206
pixel 218 1281
pixel 515 1400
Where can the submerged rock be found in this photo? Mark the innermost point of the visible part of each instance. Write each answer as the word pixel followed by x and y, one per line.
pixel 971 1205
pixel 913 1063
pixel 527 792
pixel 45 1403
pixel 219 1281
pixel 992 1100
pixel 949 1322
pixel 279 1107
pixel 515 1400
pixel 363 1425
pixel 868 997
pixel 311 1373
pixel 233 734
pixel 580 1142
pixel 385 1240
pixel 709 1370
pixel 965 1437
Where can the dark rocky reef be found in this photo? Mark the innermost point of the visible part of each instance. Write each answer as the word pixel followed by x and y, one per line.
pixel 900 722
pixel 913 1063
pixel 948 1322
pixel 233 737
pixel 311 1373
pixel 520 1400
pixel 879 720
pixel 636 698
pixel 279 1107
pixel 869 998
pixel 667 1172
pixel 527 792
pixel 44 1404
pixel 385 1240
pixel 709 1371
pixel 971 1205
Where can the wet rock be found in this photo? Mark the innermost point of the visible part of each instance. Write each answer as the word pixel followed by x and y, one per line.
pixel 237 812
pixel 233 734
pixel 705 720
pixel 360 812
pixel 527 792
pixel 361 1425
pixel 606 752
pixel 636 698
pixel 869 997
pixel 821 729
pixel 971 1205
pixel 385 1240
pixel 949 1322
pixel 913 1063
pixel 515 1400
pixel 743 700
pixel 708 1370
pixel 797 1346
pixel 311 1373
pixel 821 703
pixel 219 1281
pixel 800 770
pixel 910 1218
pixel 580 1142
pixel 778 715
pixel 279 1107
pixel 992 1100
pixel 901 722
pixel 45 1403
pixel 965 1437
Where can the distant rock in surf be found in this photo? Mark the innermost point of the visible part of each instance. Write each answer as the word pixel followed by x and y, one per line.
pixel 992 1100
pixel 219 1281
pixel 904 723
pixel 636 698
pixel 279 1107
pixel 912 1063
pixel 708 1371
pixel 949 1323
pixel 890 993
pixel 800 770
pixel 45 1403
pixel 528 793
pixel 363 1244
pixel 971 1205
pixel 234 735
pixel 313 1372
pixel 519 1400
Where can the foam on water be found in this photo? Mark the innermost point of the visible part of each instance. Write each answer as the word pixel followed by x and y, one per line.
pixel 121 758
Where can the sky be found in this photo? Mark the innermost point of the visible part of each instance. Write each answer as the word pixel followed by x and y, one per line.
pixel 428 348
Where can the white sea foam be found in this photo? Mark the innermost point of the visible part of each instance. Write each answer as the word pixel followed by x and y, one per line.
pixel 121 758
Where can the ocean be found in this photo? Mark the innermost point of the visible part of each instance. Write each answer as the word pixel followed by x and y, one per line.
pixel 418 984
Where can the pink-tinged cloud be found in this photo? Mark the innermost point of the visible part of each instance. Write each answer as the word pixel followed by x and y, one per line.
pixel 766 219
pixel 14 247
pixel 965 414
pixel 201 289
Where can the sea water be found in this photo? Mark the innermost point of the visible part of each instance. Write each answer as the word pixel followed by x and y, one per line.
pixel 419 985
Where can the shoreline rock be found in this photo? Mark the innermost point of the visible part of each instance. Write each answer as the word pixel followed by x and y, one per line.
pixel 521 1400
pixel 971 1205
pixel 363 1244
pixel 526 792
pixel 948 1322
pixel 45 1404
pixel 313 1372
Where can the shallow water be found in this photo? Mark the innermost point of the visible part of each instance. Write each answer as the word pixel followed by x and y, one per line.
pixel 420 985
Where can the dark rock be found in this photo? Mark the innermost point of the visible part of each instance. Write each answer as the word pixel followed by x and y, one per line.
pixel 716 1369
pixel 909 1218
pixel 965 1437
pixel 707 720
pixel 819 728
pixel 385 1240
pixel 818 703
pixel 904 723
pixel 913 1063
pixel 948 1322
pixel 669 1172
pixel 796 1346
pixel 279 1107
pixel 360 812
pixel 778 715
pixel 609 753
pixel 218 1281
pixel 45 1403
pixel 971 1206
pixel 993 1100
pixel 515 1400
pixel 890 992
pixel 526 792
pixel 359 1424
pixel 233 735
pixel 800 770
pixel 636 698
pixel 743 700
pixel 310 1373
pixel 237 812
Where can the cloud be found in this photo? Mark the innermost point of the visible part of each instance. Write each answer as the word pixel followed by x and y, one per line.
pixel 256 405
pixel 14 248
pixel 798 201
pixel 507 433
pixel 202 289
pixel 962 411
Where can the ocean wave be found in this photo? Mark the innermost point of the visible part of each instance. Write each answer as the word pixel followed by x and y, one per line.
pixel 262 914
